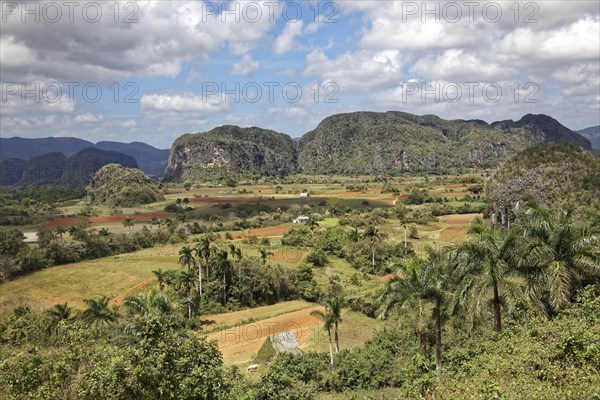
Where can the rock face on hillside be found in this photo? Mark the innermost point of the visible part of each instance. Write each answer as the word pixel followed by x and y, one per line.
pixel 231 150
pixel 550 174
pixel 593 135
pixel 71 171
pixel 118 186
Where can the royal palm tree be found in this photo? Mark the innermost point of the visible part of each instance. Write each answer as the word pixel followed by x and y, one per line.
pixel 236 252
pixel 438 280
pixel 98 312
pixel 185 283
pixel 335 304
pixel 488 270
pixel 372 235
pixel 561 257
pixel 104 232
pixel 204 250
pixel 405 293
pixel 162 278
pixel 327 319
pixel 186 257
pixel 224 265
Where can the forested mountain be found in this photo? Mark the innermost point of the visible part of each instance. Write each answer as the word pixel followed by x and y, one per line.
pixel 233 150
pixel 115 185
pixel 369 142
pixel 150 160
pixel 11 170
pixel 70 171
pixel 593 134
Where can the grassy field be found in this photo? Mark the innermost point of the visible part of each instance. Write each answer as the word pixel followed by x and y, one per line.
pixel 114 277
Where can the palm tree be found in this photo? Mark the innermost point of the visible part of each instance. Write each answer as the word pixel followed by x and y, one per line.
pixel 236 252
pixel 561 257
pixel 437 287
pixel 186 257
pixel 405 293
pixel 327 319
pixel 185 283
pixel 60 312
pixel 335 305
pixel 161 277
pixel 60 231
pixel 104 232
pixel 204 250
pixel 98 312
pixel 224 265
pixel 264 254
pixel 489 270
pixel 145 304
pixel 372 235
pixel 128 222
pixel 312 225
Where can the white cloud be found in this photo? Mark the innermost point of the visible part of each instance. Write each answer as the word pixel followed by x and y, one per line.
pixel 245 66
pixel 181 103
pixel 286 42
pixel 88 117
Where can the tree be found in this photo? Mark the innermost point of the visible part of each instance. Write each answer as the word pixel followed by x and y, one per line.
pixel 150 303
pixel 161 277
pixel 437 287
pixel 312 225
pixel 488 270
pixel 60 231
pixel 128 222
pixel 98 312
pixel 11 242
pixel 561 257
pixel 104 232
pixel 264 254
pixel 203 250
pixel 186 257
pixel 372 235
pixel 327 319
pixel 185 282
pixel 224 265
pixel 60 312
pixel 406 293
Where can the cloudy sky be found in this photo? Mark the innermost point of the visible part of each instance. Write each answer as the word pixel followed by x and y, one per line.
pixel 153 70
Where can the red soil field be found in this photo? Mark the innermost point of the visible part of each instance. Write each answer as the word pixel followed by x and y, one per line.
pixel 106 219
pixel 262 232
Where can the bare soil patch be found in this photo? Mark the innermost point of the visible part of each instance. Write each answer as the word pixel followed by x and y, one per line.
pixel 107 219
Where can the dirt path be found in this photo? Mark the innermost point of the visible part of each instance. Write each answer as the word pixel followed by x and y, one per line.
pixel 118 300
pixel 240 344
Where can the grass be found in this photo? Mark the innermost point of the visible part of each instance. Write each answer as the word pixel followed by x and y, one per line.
pixel 114 277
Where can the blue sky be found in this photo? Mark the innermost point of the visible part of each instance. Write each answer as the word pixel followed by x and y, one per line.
pixel 172 60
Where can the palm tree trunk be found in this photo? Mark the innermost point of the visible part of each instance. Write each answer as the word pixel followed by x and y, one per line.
pixel 224 289
pixel 497 316
pixel 438 342
pixel 423 343
pixel 330 349
pixel 337 339
pixel 200 280
pixel 373 255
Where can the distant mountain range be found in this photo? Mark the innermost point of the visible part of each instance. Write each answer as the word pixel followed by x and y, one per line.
pixel 364 143
pixel 150 160
pixel 593 134
pixel 59 169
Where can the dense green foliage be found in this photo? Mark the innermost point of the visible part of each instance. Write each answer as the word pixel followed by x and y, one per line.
pixel 118 186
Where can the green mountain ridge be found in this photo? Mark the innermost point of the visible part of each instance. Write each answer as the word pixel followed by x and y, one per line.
pixel 363 143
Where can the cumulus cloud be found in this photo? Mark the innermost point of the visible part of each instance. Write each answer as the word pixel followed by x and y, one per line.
pixel 245 66
pixel 286 42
